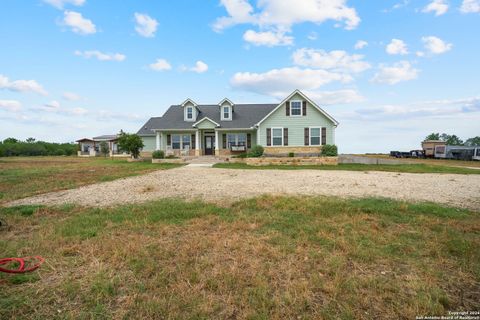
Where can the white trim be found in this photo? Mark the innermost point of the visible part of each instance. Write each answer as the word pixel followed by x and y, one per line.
pixel 236 129
pixel 181 141
pixel 225 100
pixel 335 122
pixel 193 113
pixel 157 141
pixel 189 100
pixel 216 141
pixel 168 130
pixel 197 140
pixel 203 119
pixel 271 137
pixel 310 137
pixel 301 109
pixel 222 113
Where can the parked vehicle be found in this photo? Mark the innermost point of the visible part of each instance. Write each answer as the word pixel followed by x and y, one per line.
pixel 457 152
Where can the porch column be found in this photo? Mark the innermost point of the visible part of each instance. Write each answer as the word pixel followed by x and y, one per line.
pixel 197 143
pixel 217 144
pixel 157 147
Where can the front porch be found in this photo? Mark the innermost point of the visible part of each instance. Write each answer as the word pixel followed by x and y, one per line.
pixel 205 142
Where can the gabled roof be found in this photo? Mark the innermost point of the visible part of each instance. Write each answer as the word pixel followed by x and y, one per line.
pixel 205 119
pixel 226 100
pixel 189 100
pixel 306 98
pixel 245 116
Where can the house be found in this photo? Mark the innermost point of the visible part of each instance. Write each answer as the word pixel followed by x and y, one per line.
pixel 91 147
pixel 297 124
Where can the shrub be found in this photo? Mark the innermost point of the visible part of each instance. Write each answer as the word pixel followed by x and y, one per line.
pixel 329 150
pixel 291 154
pixel 256 151
pixel 158 154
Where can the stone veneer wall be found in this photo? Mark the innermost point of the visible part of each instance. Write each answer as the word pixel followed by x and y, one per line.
pixel 293 161
pixel 287 150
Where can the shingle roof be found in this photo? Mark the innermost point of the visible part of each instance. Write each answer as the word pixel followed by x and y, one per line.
pixel 244 116
pixel 106 137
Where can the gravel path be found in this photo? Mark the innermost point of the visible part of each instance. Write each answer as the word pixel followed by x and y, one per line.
pixel 220 185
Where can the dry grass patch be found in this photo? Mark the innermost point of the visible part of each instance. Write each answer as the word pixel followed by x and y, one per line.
pixel 270 257
pixel 21 177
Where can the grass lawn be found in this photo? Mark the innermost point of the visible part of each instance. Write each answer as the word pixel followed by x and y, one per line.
pixel 26 176
pixel 264 258
pixel 410 168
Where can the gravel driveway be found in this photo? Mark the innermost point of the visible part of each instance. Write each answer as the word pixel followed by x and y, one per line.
pixel 227 185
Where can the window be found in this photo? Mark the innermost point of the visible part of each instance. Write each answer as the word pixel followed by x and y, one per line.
pixel 180 141
pixel 315 136
pixel 239 139
pixel 176 141
pixel 186 141
pixel 189 113
pixel 296 108
pixel 226 112
pixel 277 136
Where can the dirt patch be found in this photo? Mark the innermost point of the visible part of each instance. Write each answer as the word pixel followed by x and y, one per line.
pixel 227 185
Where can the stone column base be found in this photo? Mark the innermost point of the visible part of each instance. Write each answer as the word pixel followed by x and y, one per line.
pixel 198 152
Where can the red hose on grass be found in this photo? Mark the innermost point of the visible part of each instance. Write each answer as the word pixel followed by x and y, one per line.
pixel 21 264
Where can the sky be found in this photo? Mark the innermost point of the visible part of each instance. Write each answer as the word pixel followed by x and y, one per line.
pixel 390 72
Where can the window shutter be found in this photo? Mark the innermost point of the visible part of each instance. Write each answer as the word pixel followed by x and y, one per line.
pixel 287 108
pixel 169 140
pixel 269 136
pixel 285 136
pixel 307 136
pixel 224 141
pixel 193 142
pixel 249 140
pixel 324 136
pixel 304 107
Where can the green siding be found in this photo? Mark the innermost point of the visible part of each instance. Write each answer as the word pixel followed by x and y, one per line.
pixel 206 124
pixel 149 142
pixel 296 124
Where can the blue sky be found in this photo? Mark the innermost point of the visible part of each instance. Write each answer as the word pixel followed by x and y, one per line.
pixel 389 71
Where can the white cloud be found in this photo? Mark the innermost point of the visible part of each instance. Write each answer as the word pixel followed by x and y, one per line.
pixel 145 26
pixel 70 96
pixel 160 65
pixel 78 23
pixel 200 67
pixel 398 72
pixel 278 81
pixel 278 16
pixel 345 96
pixel 10 105
pixel 437 108
pixel 397 46
pixel 100 55
pixel 436 45
pixel 59 4
pixel 360 44
pixel 438 6
pixel 54 105
pixel 420 54
pixel 336 60
pixel 267 38
pixel 22 85
pixel 470 6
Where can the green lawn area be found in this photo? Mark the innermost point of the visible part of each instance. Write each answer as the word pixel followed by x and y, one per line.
pixel 410 168
pixel 26 176
pixel 263 258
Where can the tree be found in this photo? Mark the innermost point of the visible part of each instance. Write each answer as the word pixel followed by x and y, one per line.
pixel 433 136
pixel 475 141
pixel 30 140
pixel 10 140
pixel 451 140
pixel 131 143
pixel 104 149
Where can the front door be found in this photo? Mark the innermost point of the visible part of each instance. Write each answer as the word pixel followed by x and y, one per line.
pixel 209 145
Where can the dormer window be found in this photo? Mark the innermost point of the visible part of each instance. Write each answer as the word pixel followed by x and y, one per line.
pixel 190 110
pixel 226 112
pixel 189 113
